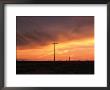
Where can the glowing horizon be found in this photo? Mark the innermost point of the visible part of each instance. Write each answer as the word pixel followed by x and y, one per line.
pixel 62 49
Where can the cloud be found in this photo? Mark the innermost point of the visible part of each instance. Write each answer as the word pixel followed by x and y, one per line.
pixel 43 30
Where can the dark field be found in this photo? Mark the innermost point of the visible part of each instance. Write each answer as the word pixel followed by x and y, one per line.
pixel 57 67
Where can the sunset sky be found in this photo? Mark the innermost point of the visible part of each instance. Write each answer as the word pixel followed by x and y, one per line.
pixel 35 35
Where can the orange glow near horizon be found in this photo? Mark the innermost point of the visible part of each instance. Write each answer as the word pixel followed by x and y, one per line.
pixel 76 49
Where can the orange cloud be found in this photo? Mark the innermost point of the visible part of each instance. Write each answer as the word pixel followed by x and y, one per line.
pixel 77 50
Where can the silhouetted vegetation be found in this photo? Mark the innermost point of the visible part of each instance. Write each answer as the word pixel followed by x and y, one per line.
pixel 57 67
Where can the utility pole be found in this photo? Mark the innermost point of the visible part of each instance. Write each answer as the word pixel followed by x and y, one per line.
pixel 54 49
pixel 69 58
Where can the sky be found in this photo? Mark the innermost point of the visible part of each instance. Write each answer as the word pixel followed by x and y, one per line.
pixel 35 35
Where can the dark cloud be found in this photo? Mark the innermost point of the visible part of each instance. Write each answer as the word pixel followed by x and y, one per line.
pixel 43 30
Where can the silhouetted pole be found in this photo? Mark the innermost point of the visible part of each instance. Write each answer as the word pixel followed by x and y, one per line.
pixel 69 58
pixel 54 49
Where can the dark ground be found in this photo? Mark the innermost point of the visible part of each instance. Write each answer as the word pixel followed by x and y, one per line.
pixel 57 67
